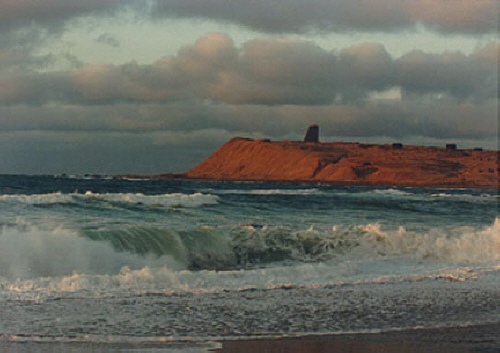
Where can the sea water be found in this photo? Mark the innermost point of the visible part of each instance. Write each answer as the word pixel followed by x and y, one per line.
pixel 100 260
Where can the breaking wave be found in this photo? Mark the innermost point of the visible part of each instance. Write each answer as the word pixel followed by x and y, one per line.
pixel 29 251
pixel 37 263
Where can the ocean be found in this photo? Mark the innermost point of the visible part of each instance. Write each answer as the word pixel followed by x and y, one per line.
pixel 183 264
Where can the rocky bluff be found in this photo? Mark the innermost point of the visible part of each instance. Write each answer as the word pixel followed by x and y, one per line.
pixel 350 164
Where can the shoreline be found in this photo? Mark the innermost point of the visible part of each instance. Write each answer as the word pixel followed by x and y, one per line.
pixel 454 339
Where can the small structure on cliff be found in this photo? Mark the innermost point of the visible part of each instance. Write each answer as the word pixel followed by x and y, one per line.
pixel 451 146
pixel 312 134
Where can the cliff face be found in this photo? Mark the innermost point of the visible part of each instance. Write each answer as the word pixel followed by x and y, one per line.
pixel 350 164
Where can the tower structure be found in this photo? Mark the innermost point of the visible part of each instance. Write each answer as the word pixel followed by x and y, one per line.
pixel 312 134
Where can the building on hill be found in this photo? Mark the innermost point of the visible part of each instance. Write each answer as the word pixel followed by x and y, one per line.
pixel 312 134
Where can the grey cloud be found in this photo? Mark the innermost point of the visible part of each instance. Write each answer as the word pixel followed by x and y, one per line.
pixel 272 71
pixel 437 118
pixel 452 72
pixel 125 117
pixel 35 88
pixel 49 13
pixel 108 39
pixel 458 16
pixel 17 51
pixel 277 71
pixel 272 16
pixel 368 65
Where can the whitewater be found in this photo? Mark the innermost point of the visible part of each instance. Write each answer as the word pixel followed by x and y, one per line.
pixel 176 261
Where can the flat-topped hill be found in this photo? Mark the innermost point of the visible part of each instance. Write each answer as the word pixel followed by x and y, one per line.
pixel 350 164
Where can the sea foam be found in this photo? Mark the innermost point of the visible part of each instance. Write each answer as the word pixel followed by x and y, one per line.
pixel 460 244
pixel 165 200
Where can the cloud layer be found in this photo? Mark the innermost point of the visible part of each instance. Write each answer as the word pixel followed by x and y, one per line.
pixel 284 16
pixel 51 13
pixel 271 71
pixel 296 16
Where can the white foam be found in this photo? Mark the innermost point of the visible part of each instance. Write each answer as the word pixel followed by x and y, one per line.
pixel 392 192
pixel 166 200
pixel 31 252
pixel 50 198
pixel 269 191
pixel 170 200
pixel 464 244
pixel 477 197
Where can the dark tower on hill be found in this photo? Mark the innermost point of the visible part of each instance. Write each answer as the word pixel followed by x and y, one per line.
pixel 312 134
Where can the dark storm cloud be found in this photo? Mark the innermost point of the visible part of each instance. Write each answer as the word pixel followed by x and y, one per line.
pixel 271 71
pixel 285 16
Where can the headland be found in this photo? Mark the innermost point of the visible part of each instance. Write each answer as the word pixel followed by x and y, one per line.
pixel 350 164
pixel 341 163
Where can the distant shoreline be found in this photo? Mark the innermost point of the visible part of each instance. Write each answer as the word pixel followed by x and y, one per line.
pixel 306 182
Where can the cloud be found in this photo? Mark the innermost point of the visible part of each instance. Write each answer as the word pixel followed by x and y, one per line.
pixel 271 71
pixel 431 117
pixel 279 71
pixel 460 75
pixel 458 16
pixel 50 13
pixel 17 50
pixel 108 39
pixel 272 16
pixel 297 16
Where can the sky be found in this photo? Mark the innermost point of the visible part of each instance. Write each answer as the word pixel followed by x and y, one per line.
pixel 156 86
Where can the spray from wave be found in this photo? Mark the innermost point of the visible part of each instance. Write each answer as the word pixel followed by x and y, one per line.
pixel 29 251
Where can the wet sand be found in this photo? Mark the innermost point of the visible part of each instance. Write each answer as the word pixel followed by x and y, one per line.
pixel 477 338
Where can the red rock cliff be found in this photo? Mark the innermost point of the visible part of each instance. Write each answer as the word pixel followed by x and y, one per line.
pixel 350 164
